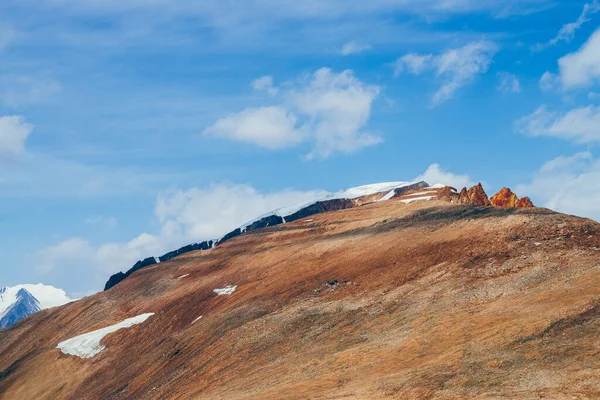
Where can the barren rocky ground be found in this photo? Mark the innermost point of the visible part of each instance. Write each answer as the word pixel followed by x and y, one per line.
pixel 387 300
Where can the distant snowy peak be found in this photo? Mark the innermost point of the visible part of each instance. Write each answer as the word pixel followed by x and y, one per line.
pixel 21 301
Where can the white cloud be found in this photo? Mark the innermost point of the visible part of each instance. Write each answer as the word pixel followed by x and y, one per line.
pixel 353 48
pixel 581 125
pixel 508 83
pixel 435 174
pixel 581 69
pixel 338 107
pixel 14 131
pixel 269 127
pixel 414 63
pixel 549 82
pixel 334 108
pixel 567 184
pixel 265 84
pixel 185 216
pixel 455 68
pixel 567 32
pixel 208 213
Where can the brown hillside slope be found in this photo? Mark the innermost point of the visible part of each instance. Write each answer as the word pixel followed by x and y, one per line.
pixel 389 300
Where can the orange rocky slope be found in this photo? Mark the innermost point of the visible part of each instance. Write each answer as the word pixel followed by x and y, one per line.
pixel 399 299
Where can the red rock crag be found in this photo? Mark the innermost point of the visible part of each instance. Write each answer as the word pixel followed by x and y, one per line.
pixel 505 198
pixel 475 196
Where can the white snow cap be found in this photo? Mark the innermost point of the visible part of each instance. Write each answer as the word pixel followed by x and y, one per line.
pixel 47 296
pixel 88 345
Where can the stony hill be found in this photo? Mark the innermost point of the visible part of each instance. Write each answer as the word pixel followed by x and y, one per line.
pixel 432 293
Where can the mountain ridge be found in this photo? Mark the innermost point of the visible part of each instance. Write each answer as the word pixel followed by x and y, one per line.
pixel 422 297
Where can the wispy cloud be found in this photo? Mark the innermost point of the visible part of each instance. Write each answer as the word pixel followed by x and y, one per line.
pixel 508 83
pixel 353 48
pixel 567 32
pixel 581 125
pixel 455 68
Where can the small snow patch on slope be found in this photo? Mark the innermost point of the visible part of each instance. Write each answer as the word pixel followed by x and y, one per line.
pixel 88 345
pixel 197 319
pixel 227 290
pixel 424 198
pixel 183 276
pixel 388 196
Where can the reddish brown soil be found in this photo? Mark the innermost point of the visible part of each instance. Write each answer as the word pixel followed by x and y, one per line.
pixel 426 300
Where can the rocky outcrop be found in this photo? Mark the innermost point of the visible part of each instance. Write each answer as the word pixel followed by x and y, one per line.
pixel 505 198
pixel 119 276
pixel 525 202
pixel 474 196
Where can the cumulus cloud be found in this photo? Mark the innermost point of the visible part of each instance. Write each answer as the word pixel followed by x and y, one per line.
pixel 14 131
pixel 581 68
pixel 269 127
pixel 569 184
pixel 338 107
pixel 435 174
pixel 581 125
pixel 328 109
pixel 455 68
pixel 508 83
pixel 353 48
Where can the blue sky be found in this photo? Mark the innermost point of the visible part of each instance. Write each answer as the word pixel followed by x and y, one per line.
pixel 129 128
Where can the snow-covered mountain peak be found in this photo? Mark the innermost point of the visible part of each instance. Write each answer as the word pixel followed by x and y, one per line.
pixel 20 301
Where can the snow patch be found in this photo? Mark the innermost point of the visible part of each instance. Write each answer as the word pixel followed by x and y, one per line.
pixel 422 193
pixel 227 290
pixel 308 220
pixel 537 244
pixel 388 196
pixel 197 319
pixel 183 276
pixel 157 260
pixel 424 198
pixel 88 345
